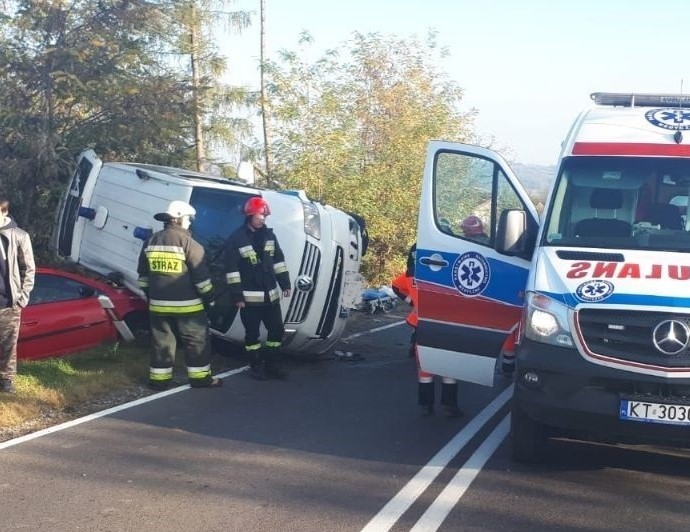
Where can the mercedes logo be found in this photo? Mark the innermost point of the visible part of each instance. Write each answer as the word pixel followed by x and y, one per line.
pixel 304 283
pixel 671 337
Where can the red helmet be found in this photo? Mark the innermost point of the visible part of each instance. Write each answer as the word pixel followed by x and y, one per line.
pixel 472 225
pixel 256 205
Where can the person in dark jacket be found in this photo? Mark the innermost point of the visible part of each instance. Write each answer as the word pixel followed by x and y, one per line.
pixel 256 275
pixel 176 280
pixel 17 270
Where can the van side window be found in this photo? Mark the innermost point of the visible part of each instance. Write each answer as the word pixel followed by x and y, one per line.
pixel 463 189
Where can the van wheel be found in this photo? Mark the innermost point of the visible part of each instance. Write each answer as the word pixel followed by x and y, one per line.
pixel 527 437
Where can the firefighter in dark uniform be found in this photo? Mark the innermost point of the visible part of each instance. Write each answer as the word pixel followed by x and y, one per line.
pixel 406 289
pixel 176 280
pixel 256 275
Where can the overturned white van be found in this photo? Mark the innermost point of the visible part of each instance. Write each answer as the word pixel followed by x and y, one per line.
pixel 107 213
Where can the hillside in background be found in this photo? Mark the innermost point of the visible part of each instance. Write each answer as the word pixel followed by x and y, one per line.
pixel 535 178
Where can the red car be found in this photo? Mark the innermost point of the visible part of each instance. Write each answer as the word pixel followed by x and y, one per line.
pixel 68 312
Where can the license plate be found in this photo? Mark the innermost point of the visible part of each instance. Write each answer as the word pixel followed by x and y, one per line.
pixel 655 412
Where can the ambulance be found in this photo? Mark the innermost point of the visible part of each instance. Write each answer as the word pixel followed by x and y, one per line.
pixel 107 213
pixel 596 287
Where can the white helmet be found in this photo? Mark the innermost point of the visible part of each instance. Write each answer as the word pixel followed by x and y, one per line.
pixel 176 209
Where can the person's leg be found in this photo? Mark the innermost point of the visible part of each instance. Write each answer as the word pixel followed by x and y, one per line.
pixel 251 319
pixel 425 386
pixel 10 320
pixel 193 333
pixel 449 397
pixel 273 320
pixel 413 343
pixel 163 345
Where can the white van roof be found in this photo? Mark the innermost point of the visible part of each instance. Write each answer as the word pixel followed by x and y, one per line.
pixel 180 176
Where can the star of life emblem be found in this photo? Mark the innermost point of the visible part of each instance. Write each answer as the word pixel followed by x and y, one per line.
pixel 594 290
pixel 471 274
pixel 674 119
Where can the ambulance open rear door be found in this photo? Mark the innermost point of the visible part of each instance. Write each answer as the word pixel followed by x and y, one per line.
pixel 471 283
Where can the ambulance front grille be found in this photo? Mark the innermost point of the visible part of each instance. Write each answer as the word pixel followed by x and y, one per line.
pixel 301 301
pixel 629 336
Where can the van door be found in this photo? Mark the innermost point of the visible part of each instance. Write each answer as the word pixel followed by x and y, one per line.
pixel 71 225
pixel 470 295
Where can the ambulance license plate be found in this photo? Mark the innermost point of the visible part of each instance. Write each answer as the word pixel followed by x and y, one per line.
pixel 654 412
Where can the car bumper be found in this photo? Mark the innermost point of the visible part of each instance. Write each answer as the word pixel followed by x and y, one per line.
pixel 579 397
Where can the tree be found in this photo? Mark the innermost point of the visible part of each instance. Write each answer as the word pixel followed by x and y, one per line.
pixel 263 98
pixel 352 131
pixel 192 29
pixel 78 74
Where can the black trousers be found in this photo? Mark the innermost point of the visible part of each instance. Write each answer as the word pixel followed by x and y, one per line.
pixel 253 315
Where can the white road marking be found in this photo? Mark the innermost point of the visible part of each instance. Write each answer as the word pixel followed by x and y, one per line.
pixel 372 330
pixel 107 412
pixel 456 488
pixel 406 497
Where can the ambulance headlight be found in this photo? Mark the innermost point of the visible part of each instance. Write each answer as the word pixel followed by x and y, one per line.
pixel 547 321
pixel 312 220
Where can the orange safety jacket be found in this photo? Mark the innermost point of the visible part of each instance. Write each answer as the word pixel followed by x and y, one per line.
pixel 406 289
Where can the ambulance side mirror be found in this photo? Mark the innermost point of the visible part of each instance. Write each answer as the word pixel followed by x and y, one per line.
pixel 514 236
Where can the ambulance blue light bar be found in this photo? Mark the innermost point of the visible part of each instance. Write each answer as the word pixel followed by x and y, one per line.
pixel 640 100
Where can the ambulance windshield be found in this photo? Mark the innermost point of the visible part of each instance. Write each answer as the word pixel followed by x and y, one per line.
pixel 621 203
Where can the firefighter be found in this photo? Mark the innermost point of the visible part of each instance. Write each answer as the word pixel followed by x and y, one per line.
pixel 176 280
pixel 406 289
pixel 256 275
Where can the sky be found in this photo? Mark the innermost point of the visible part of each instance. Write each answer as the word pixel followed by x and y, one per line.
pixel 526 66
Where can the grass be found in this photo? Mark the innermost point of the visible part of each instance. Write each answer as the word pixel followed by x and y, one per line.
pixel 61 383
pixel 66 383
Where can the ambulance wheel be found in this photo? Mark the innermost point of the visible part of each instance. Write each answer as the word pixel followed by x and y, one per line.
pixel 527 436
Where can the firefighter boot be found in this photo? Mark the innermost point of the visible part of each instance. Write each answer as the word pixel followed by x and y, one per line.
pixel 426 399
pixel 274 368
pixel 258 367
pixel 449 398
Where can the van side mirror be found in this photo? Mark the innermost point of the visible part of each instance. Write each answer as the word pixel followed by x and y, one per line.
pixel 514 236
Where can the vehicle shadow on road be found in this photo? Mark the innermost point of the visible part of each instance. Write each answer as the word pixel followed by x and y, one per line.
pixel 578 455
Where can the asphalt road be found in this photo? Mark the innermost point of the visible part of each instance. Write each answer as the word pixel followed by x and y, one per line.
pixel 341 445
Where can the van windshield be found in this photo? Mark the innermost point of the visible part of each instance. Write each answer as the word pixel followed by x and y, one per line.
pixel 621 203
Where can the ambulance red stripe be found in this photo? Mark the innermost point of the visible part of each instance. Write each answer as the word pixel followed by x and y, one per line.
pixel 625 148
pixel 448 305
